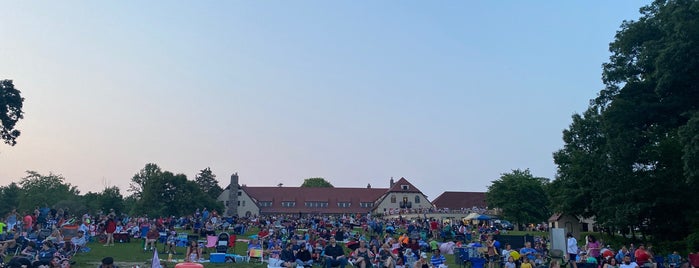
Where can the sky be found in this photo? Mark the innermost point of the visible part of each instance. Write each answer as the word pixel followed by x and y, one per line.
pixel 448 94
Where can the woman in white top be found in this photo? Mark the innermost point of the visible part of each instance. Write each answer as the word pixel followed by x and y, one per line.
pixel 572 249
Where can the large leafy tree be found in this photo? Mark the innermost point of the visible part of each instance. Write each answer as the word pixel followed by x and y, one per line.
pixel 206 180
pixel 316 182
pixel 630 167
pixel 143 177
pixel 44 190
pixel 163 193
pixel 10 111
pixel 520 196
pixel 9 198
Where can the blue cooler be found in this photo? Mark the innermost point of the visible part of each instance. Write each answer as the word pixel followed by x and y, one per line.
pixel 217 257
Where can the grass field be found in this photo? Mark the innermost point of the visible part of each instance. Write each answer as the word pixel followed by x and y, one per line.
pixel 127 255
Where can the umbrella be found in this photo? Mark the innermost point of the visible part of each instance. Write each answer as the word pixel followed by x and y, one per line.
pixel 471 216
pixel 482 218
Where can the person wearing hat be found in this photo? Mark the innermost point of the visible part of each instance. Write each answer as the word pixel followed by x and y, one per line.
pixel 78 241
pixel 422 262
pixel 107 262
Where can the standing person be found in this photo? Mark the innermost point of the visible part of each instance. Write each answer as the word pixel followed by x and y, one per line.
pixel 12 219
pixel 593 247
pixel 492 252
pixel 334 254
pixel 572 249
pixel 110 228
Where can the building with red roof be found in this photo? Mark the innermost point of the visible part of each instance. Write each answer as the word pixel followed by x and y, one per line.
pixel 243 200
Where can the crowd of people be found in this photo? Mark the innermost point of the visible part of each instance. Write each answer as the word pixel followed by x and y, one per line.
pixel 290 240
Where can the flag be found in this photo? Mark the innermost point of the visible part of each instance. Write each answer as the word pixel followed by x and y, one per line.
pixel 156 261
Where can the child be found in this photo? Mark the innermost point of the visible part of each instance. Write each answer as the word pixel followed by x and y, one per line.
pixel 510 262
pixel 525 263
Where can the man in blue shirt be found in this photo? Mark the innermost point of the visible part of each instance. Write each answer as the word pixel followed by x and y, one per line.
pixel 528 251
pixel 437 259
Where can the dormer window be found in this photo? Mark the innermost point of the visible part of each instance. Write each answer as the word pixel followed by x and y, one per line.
pixel 405 187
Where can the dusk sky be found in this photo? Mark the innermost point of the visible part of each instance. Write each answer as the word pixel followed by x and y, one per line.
pixel 448 94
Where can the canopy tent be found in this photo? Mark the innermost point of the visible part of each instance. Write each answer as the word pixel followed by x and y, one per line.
pixel 472 216
pixel 483 217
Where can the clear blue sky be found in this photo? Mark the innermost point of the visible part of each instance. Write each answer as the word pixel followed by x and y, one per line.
pixel 448 94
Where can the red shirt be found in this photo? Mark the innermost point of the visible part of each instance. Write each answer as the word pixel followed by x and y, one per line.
pixel 434 225
pixel 641 257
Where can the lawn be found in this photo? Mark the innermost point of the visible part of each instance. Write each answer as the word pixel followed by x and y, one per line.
pixel 127 255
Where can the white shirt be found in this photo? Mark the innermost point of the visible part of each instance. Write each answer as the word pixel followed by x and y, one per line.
pixel 631 265
pixel 572 247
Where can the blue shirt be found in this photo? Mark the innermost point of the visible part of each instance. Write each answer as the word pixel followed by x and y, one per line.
pixel 529 252
pixel 437 260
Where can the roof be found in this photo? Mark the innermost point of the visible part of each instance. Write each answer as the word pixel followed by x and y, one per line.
pixel 403 186
pixel 459 200
pixel 555 217
pixel 300 195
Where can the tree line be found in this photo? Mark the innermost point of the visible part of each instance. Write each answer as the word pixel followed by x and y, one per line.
pixel 154 192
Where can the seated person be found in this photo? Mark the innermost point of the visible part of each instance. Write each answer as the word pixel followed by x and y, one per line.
pixel 303 257
pixel 193 252
pixel 287 256
pixel 275 254
pixel 172 242
pixel 30 251
pixel 78 241
pixel 45 254
pixel 151 237
pixel 334 254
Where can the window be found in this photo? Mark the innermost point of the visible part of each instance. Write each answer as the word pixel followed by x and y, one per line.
pixel 225 203
pixel 417 199
pixel 366 204
pixel 240 193
pixel 404 187
pixel 265 203
pixel 238 202
pixel 393 199
pixel 405 199
pixel 344 204
pixel 243 202
pixel 316 204
pixel 288 204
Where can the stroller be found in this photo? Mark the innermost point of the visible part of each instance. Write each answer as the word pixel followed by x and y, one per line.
pixel 222 243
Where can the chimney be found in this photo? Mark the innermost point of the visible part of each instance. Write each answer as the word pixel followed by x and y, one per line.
pixel 232 208
pixel 368 185
pixel 391 184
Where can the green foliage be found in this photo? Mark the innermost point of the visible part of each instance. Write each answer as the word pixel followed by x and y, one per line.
pixel 162 193
pixel 520 196
pixel 10 111
pixel 316 182
pixel 9 198
pixel 39 190
pixel 141 178
pixel 207 182
pixel 630 159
